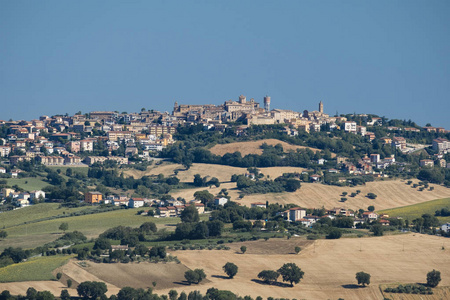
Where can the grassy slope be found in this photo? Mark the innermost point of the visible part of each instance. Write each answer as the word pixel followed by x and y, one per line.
pixel 415 211
pixel 32 183
pixel 35 213
pixel 38 268
pixel 35 234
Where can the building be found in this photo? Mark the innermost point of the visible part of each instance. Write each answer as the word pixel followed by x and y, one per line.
pixel 258 204
pixel 441 145
pixel 4 151
pixel 93 197
pixel 446 227
pixel 350 127
pixel 398 142
pixel 136 202
pixel 294 214
pixel 426 163
pixel 37 195
pixel 220 201
pixel 374 158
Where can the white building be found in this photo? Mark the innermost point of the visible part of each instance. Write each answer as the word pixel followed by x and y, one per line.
pixel 220 201
pixel 136 202
pixel 37 195
pixel 446 227
pixel 350 127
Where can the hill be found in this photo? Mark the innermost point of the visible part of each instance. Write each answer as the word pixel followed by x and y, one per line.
pixel 223 173
pixel 329 265
pixel 254 147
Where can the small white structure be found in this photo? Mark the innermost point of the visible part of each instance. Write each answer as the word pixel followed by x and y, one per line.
pixel 220 201
pixel 446 227
pixel 37 195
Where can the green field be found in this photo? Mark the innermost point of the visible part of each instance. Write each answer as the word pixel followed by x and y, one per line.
pixel 81 170
pixel 29 183
pixel 35 213
pixel 35 234
pixel 38 268
pixel 412 212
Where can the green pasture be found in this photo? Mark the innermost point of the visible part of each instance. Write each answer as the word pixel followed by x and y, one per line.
pixel 34 269
pixel 412 212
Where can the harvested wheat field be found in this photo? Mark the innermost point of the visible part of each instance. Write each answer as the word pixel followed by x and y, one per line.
pixel 329 265
pixel 223 173
pixel 254 147
pixel 391 193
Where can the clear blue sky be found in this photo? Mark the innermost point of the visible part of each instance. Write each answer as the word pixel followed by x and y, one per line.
pixel 389 58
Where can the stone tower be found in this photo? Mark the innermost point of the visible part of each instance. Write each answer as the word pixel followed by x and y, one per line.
pixel 321 107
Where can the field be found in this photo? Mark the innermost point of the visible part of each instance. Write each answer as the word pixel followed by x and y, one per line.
pixel 254 147
pixel 36 234
pixel 35 269
pixel 223 173
pixel 28 184
pixel 412 212
pixel 329 265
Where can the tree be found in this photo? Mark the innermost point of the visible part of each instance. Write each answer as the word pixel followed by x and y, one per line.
pixel 377 230
pixel 334 233
pixel 230 269
pixel 297 249
pixel 189 214
pixel 58 275
pixel 65 295
pixel 64 226
pixel 91 289
pixel 173 294
pixel 363 278
pixel 433 278
pixel 291 272
pixel 31 293
pixel 243 249
pixel 3 234
pixel 148 227
pixel 45 295
pixel 203 196
pixel 194 276
pixel 371 208
pixel 102 244
pixel 69 283
pixel 268 276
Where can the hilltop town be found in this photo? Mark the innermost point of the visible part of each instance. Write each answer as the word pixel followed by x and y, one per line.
pixel 142 137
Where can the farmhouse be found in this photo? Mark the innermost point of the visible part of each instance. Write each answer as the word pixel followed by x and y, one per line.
pixel 446 227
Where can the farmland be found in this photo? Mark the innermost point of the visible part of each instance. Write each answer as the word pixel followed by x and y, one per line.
pixel 412 212
pixel 254 147
pixel 34 269
pixel 38 233
pixel 329 266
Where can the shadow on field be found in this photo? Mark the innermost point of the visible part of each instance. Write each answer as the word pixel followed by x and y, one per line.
pixel 280 284
pixel 181 282
pixel 220 276
pixel 351 286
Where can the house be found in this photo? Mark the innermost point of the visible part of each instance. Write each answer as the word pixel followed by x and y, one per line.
pixel 374 158
pixel 426 163
pixel 93 197
pixel 350 127
pixel 258 204
pixel 22 202
pixel 163 212
pixel 315 177
pixel 398 142
pixel 441 145
pixel 220 201
pixel 172 211
pixel 121 201
pixel 384 222
pixel 136 202
pixel 200 207
pixel 370 216
pixel 294 214
pixel 2 170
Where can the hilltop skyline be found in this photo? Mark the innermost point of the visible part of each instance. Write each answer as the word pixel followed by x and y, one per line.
pixel 382 58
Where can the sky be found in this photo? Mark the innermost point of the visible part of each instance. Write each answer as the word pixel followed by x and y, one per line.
pixel 390 58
